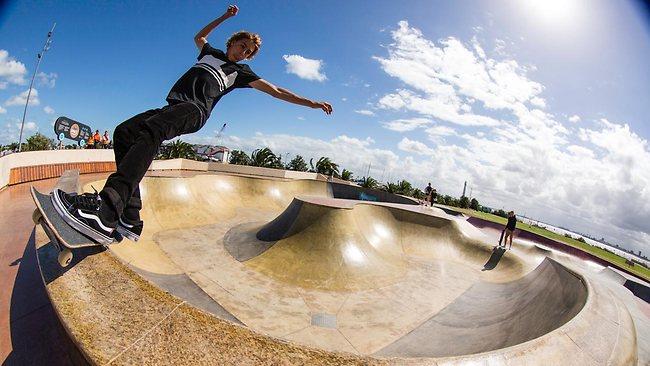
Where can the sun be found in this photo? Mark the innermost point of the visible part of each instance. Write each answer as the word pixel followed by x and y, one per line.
pixel 554 11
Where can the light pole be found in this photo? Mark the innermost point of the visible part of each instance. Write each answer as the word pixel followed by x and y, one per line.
pixel 46 47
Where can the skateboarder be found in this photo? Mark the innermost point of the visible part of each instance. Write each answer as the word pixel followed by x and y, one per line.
pixel 137 140
pixel 428 190
pixel 510 228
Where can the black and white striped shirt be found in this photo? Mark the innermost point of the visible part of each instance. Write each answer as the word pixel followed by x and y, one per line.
pixel 212 77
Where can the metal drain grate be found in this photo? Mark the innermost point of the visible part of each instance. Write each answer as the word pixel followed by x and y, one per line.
pixel 323 320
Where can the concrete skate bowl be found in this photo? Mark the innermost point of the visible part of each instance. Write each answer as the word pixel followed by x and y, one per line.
pixel 285 259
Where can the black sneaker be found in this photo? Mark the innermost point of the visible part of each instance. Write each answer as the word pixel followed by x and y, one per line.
pixel 128 230
pixel 82 212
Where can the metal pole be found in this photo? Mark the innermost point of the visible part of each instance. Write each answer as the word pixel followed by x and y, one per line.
pixel 46 47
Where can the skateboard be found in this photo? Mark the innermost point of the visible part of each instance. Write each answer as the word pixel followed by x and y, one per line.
pixel 62 235
pixel 501 238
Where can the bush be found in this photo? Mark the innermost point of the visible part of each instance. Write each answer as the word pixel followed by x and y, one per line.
pixel 38 142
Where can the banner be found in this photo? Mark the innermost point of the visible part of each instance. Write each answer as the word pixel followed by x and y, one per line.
pixel 65 127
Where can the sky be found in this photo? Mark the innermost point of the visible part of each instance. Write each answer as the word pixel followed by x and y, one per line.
pixel 541 106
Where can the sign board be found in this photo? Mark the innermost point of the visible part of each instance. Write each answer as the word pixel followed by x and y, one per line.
pixel 65 127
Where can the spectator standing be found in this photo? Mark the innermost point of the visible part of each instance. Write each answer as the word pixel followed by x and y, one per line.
pixel 106 140
pixel 97 139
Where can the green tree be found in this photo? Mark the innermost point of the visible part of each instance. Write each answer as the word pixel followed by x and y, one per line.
pixel 369 182
pixel 473 204
pixel 346 174
pixel 13 146
pixel 239 157
pixel 464 202
pixel 179 150
pixel 265 158
pixel 327 167
pixel 38 142
pixel 298 164
pixel 404 188
pixel 390 187
pixel 418 194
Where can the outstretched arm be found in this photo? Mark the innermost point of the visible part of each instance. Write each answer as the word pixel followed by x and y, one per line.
pixel 288 96
pixel 200 38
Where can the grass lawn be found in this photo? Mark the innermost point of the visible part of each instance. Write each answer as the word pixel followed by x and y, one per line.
pixel 598 252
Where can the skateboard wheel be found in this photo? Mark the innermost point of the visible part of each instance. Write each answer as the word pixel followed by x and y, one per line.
pixel 65 257
pixel 36 216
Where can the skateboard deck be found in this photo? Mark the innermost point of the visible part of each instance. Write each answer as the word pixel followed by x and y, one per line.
pixel 64 236
pixel 501 238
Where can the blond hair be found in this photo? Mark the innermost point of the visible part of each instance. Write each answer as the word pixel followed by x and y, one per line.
pixel 257 40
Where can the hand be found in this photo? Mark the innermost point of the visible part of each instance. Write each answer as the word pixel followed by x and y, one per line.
pixel 231 11
pixel 326 107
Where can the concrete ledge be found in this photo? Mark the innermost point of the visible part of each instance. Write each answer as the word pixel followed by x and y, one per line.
pixel 50 157
pixel 38 172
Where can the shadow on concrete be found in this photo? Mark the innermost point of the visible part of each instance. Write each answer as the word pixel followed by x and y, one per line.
pixel 497 253
pixel 37 336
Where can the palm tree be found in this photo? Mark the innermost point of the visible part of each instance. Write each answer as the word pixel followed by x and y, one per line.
pixel 327 167
pixel 179 149
pixel 369 182
pixel 404 188
pixel 390 187
pixel 265 158
pixel 298 164
pixel 346 174
pixel 239 157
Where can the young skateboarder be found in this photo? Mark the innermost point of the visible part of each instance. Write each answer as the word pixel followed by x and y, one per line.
pixel 510 229
pixel 136 140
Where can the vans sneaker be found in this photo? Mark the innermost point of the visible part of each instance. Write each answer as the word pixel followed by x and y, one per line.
pixel 83 212
pixel 130 231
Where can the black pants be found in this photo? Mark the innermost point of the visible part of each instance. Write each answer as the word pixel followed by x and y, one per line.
pixel 135 143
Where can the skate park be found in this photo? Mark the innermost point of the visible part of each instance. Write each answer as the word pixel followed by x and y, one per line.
pixel 250 265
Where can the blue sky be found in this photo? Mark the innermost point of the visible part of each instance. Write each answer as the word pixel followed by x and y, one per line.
pixel 540 105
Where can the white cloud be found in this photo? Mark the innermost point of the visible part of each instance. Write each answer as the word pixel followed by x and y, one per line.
pixel 48 80
pixel 48 109
pixel 538 102
pixel 21 99
pixel 514 153
pixel 11 131
pixel 365 112
pixel 305 68
pixel 344 99
pixel 349 152
pixel 301 118
pixel 2 110
pixel 403 125
pixel 415 147
pixel 11 71
pixel 29 127
pixel 499 46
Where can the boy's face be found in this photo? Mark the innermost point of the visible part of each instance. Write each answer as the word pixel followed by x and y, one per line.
pixel 240 50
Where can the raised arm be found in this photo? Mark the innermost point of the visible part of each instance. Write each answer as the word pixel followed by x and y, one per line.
pixel 201 38
pixel 286 95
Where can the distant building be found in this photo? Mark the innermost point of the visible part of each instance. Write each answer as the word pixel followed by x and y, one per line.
pixel 219 154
